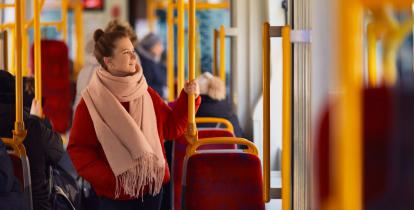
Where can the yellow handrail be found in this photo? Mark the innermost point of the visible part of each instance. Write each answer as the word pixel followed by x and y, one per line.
pixel 37 53
pixel 25 43
pixel 192 128
pixel 372 54
pixel 79 59
pixel 222 35
pixel 346 129
pixel 287 122
pixel 170 48
pixel 64 20
pixel 251 148
pixel 180 44
pixel 286 113
pixel 19 132
pixel 5 26
pixel 202 120
pixel 199 5
pixel 3 6
pixel 266 111
pixel 215 70
pixel 150 15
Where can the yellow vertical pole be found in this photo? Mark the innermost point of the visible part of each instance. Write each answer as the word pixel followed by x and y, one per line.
pixel 25 42
pixel 79 59
pixel 12 66
pixel 6 51
pixel 372 55
pixel 37 52
pixel 266 110
pixel 170 48
pixel 19 130
pixel 286 118
pixel 64 26
pixel 215 71
pixel 222 54
pixel 180 49
pixel 191 129
pixel 150 15
pixel 346 145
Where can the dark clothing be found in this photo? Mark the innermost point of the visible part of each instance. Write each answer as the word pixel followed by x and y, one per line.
pixel 155 73
pixel 215 108
pixel 148 202
pixel 43 146
pixel 11 197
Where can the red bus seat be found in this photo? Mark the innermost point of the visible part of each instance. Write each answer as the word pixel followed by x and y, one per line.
pixel 179 150
pixel 228 180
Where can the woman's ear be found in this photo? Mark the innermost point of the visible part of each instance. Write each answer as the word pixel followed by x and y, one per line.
pixel 107 61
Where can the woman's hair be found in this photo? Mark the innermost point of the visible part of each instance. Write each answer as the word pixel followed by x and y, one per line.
pixel 117 25
pixel 105 44
pixel 212 86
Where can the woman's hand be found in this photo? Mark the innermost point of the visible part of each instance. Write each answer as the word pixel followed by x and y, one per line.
pixel 192 88
pixel 36 109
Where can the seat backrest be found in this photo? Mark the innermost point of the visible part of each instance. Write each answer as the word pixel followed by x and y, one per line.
pixel 56 87
pixel 21 169
pixel 179 150
pixel 227 180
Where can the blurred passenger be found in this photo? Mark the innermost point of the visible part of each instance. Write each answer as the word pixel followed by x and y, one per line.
pixel 120 124
pixel 44 146
pixel 11 195
pixel 90 65
pixel 150 51
pixel 213 94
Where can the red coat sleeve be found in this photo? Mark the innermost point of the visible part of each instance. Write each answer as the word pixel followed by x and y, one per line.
pixel 84 150
pixel 175 119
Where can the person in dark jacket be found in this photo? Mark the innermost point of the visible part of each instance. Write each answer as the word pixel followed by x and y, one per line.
pixel 150 50
pixel 213 94
pixel 44 146
pixel 11 196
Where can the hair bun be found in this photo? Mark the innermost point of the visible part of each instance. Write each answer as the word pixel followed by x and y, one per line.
pixel 98 34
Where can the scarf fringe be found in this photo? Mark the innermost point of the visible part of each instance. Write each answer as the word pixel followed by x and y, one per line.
pixel 146 173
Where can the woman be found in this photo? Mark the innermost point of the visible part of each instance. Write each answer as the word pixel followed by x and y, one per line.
pixel 116 141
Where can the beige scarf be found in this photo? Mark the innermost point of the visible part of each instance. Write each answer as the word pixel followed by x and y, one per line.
pixel 130 140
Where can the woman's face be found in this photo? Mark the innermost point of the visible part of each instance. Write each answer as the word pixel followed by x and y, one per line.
pixel 123 62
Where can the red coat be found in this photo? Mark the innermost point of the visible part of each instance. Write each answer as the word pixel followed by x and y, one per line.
pixel 89 158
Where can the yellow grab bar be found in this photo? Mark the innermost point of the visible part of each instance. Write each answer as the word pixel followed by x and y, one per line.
pixel 79 59
pixel 19 132
pixel 37 54
pixel 170 53
pixel 199 5
pixel 151 15
pixel 372 54
pixel 3 6
pixel 215 70
pixel 251 148
pixel 287 122
pixel 222 35
pixel 284 32
pixel 229 126
pixel 191 128
pixel 266 111
pixel 180 50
